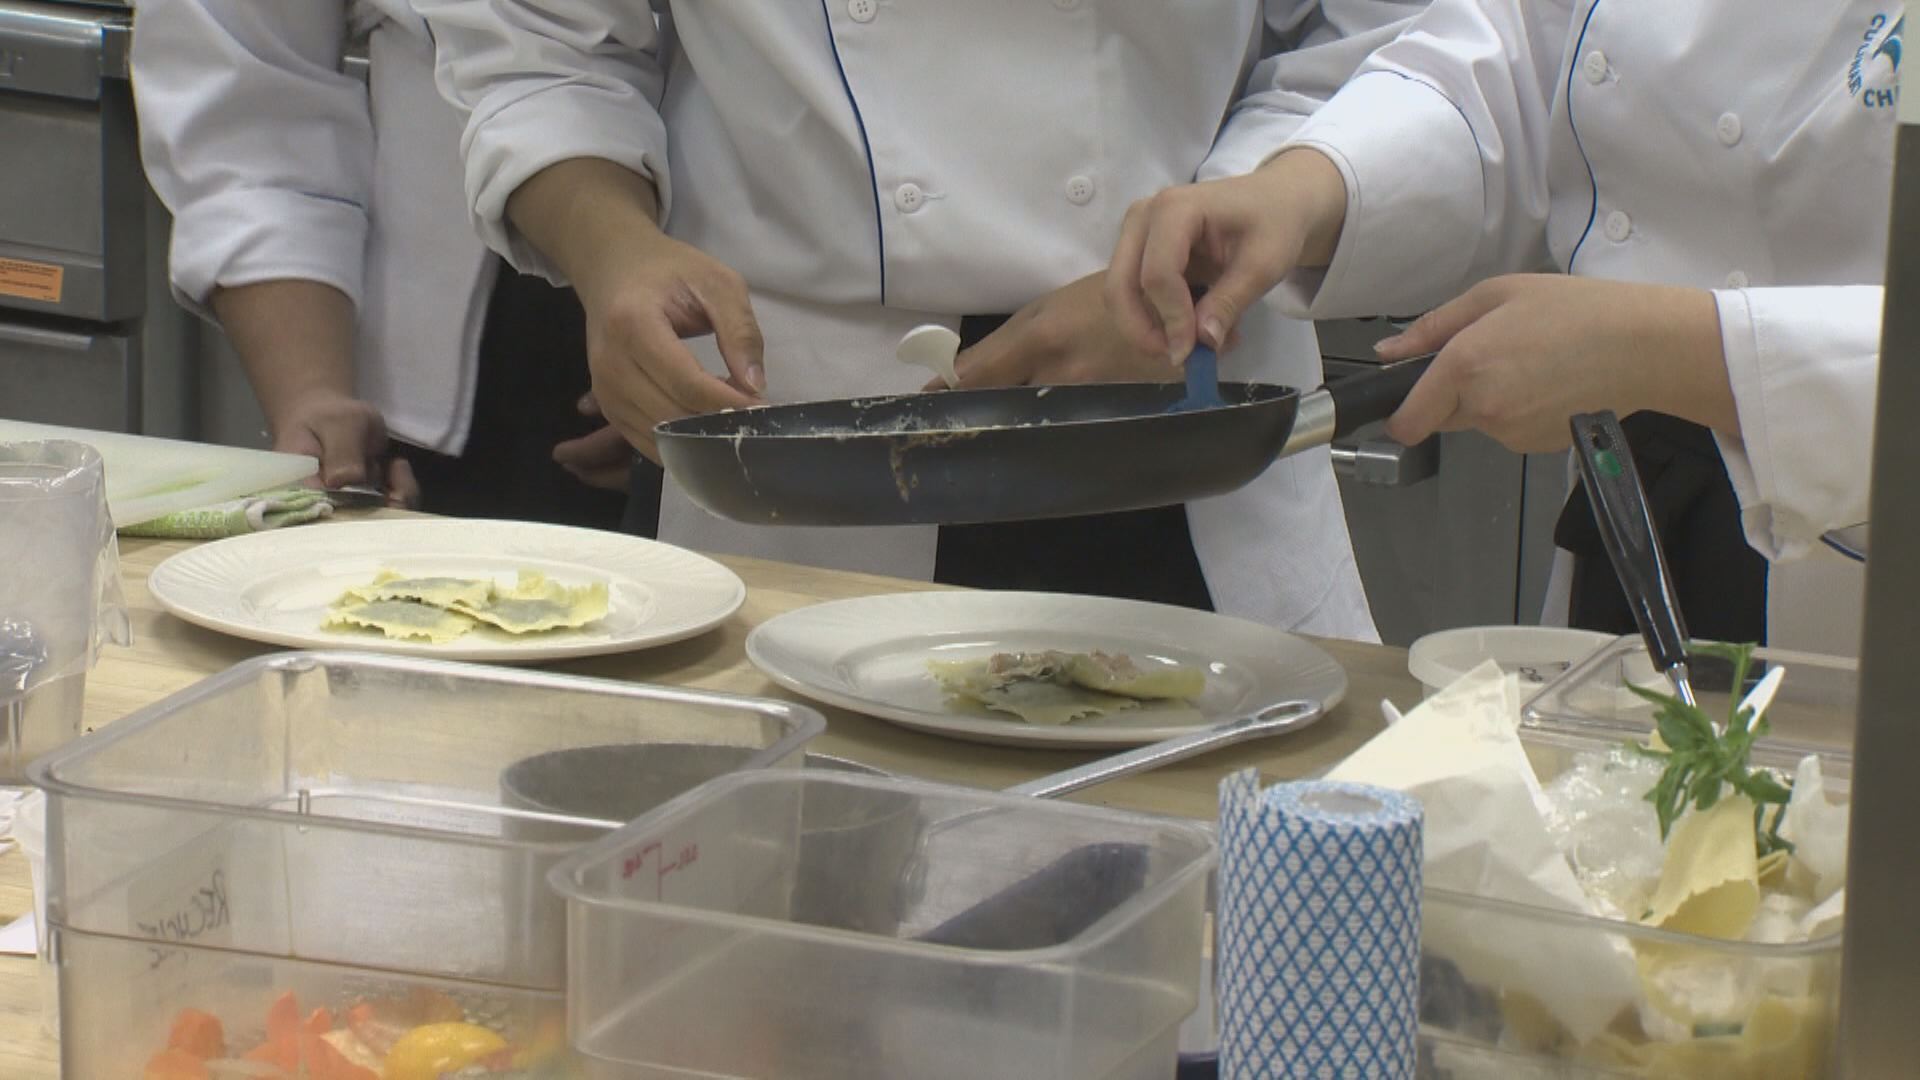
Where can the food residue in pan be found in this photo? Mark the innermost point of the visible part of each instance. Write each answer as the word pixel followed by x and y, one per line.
pixel 1053 687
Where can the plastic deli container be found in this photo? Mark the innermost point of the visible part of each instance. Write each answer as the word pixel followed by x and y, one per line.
pixel 1753 1010
pixel 364 839
pixel 1813 712
pixel 1536 654
pixel 809 926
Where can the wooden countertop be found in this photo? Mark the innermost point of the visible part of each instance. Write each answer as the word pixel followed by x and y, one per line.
pixel 168 654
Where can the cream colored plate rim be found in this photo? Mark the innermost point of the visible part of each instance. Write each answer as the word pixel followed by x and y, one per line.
pixel 274 586
pixel 868 655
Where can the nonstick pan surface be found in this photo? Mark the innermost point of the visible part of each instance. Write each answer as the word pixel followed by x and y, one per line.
pixel 1008 454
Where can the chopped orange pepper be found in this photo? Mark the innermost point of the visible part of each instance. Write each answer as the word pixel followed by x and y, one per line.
pixel 320 1021
pixel 175 1064
pixel 199 1034
pixel 370 1028
pixel 283 1054
pixel 283 1018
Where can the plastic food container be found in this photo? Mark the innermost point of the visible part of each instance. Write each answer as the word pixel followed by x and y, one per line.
pixel 1537 654
pixel 1778 1014
pixel 811 926
pixel 1812 713
pixel 338 827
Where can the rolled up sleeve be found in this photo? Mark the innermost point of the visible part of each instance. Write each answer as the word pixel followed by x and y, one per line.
pixel 1415 205
pixel 256 142
pixel 1804 364
pixel 1315 46
pixel 546 81
pixel 1443 140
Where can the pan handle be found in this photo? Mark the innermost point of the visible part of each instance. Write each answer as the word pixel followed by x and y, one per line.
pixel 1366 399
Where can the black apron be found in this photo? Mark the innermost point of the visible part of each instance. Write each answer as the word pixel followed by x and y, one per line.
pixel 532 370
pixel 1136 555
pixel 1720 581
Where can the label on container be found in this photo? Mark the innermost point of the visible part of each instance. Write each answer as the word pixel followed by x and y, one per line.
pixel 184 899
pixel 31 280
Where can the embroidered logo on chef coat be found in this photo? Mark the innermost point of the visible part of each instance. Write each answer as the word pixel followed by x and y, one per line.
pixel 1873 77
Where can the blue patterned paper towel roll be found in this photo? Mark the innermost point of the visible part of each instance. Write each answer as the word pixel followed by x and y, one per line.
pixel 1319 931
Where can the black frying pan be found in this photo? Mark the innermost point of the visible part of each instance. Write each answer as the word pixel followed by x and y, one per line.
pixel 964 456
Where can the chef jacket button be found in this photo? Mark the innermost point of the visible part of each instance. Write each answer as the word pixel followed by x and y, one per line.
pixel 1080 190
pixel 1595 67
pixel 1728 128
pixel 1619 226
pixel 1737 280
pixel 908 197
pixel 863 11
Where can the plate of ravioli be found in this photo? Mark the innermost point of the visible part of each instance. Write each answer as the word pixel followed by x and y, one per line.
pixel 491 591
pixel 1039 669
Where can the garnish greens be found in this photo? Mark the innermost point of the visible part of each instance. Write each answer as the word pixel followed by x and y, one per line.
pixel 1701 762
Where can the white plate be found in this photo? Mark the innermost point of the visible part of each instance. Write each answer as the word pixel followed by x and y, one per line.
pixel 275 586
pixel 870 655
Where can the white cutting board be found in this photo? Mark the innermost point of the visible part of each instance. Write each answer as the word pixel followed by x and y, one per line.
pixel 149 478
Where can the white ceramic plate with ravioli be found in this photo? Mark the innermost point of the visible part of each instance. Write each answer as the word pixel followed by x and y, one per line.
pixel 275 586
pixel 870 655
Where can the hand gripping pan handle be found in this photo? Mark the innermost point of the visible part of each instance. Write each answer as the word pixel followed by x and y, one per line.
pixel 1340 409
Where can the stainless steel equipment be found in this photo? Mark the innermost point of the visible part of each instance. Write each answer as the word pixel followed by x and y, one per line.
pixel 1881 964
pixel 88 335
pixel 1457 531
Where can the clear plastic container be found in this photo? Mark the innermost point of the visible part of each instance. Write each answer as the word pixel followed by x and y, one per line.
pixel 1812 713
pixel 1752 1010
pixel 810 926
pixel 344 827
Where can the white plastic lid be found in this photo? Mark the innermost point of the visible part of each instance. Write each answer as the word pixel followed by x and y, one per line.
pixel 1538 654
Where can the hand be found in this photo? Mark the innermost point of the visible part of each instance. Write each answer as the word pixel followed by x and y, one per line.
pixel 350 438
pixel 1520 355
pixel 643 292
pixel 637 312
pixel 1065 336
pixel 1237 237
pixel 601 458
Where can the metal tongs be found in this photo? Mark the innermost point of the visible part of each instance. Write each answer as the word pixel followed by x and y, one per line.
pixel 1626 528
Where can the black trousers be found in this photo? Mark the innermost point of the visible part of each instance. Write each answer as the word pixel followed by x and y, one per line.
pixel 532 371
pixel 1136 555
pixel 1720 581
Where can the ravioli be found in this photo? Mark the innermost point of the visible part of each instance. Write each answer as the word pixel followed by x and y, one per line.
pixel 438 591
pixel 1052 687
pixel 440 609
pixel 404 619
pixel 536 603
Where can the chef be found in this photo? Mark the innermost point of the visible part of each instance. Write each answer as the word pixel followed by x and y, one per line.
pixel 792 186
pixel 1712 186
pixel 321 221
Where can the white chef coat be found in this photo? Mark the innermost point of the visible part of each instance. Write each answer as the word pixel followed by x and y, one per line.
pixel 276 165
pixel 1698 144
pixel 871 165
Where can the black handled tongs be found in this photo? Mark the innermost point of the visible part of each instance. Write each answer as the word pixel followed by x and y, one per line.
pixel 1626 527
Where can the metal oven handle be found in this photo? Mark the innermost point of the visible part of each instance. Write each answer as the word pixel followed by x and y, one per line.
pixel 61 51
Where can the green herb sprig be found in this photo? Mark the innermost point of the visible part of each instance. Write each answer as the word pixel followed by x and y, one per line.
pixel 1701 762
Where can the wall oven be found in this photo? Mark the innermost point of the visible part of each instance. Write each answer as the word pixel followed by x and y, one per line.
pixel 88 334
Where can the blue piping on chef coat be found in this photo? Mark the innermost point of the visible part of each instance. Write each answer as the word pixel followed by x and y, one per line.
pixel 1593 207
pixel 873 176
